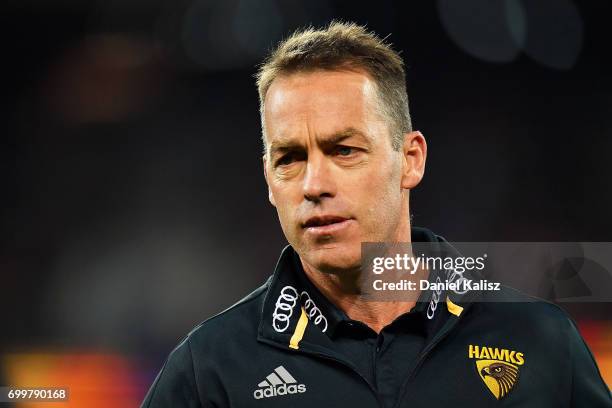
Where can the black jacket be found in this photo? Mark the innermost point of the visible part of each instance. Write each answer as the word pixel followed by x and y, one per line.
pixel 272 349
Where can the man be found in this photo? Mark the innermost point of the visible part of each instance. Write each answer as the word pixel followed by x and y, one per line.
pixel 340 160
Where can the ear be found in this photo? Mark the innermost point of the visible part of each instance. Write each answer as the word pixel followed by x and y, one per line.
pixel 265 169
pixel 415 153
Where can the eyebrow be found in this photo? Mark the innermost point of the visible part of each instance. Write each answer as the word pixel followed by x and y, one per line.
pixel 284 146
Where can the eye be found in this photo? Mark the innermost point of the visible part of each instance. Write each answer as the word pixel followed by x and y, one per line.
pixel 285 160
pixel 344 150
pixel 289 158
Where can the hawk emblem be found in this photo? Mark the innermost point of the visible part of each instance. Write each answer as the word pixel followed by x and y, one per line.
pixel 498 368
pixel 498 376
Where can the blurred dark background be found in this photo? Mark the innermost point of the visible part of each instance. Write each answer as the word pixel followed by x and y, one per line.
pixel 134 204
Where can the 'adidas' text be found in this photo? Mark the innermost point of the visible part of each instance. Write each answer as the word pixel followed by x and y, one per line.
pixel 279 382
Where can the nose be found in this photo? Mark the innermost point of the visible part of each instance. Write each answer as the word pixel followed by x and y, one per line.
pixel 318 180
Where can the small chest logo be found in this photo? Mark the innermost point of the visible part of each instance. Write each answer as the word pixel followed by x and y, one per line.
pixel 497 368
pixel 278 383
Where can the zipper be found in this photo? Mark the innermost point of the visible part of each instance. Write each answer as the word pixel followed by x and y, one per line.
pixel 377 346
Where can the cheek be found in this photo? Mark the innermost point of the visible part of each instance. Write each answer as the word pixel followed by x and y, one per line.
pixel 286 207
pixel 383 195
pixel 384 184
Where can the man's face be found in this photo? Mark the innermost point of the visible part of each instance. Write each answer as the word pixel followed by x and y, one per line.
pixel 332 173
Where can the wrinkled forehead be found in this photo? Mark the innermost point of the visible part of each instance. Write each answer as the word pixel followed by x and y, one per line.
pixel 320 102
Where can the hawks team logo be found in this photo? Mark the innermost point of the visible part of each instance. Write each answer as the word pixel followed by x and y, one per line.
pixel 497 368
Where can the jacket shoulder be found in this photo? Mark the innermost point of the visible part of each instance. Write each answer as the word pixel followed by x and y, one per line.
pixel 528 312
pixel 193 361
pixel 235 320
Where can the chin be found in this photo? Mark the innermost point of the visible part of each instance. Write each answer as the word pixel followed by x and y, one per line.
pixel 334 258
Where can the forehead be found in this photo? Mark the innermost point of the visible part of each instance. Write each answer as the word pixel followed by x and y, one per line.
pixel 321 102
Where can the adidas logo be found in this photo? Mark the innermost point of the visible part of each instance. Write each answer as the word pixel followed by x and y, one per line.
pixel 279 382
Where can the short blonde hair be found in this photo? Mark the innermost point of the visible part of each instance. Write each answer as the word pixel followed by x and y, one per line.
pixel 341 46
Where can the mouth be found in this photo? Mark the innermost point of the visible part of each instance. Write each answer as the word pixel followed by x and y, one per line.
pixel 326 224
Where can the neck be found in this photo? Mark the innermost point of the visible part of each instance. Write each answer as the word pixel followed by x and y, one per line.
pixel 341 290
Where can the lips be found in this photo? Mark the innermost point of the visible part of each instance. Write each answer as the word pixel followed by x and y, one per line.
pixel 327 226
pixel 322 221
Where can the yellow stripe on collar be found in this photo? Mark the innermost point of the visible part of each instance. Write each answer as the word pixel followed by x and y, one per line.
pixel 299 331
pixel 453 307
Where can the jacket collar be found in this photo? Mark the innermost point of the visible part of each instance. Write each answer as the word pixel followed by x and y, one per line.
pixel 295 313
